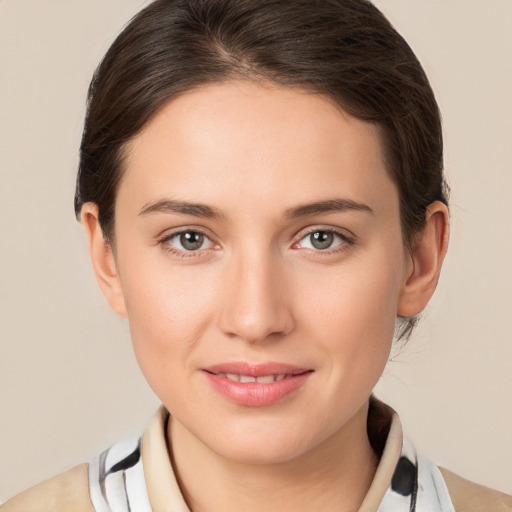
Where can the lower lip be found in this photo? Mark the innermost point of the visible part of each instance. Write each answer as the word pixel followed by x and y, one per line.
pixel 256 394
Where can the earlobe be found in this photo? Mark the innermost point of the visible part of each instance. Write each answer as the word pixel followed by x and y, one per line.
pixel 102 258
pixel 427 258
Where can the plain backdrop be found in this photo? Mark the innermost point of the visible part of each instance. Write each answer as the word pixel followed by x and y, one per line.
pixel 69 383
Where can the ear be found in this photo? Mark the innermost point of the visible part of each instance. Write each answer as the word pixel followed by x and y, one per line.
pixel 103 260
pixel 427 258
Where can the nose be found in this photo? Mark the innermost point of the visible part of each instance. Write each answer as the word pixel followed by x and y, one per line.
pixel 254 302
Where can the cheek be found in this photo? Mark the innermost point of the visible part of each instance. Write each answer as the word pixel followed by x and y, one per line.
pixel 168 311
pixel 351 311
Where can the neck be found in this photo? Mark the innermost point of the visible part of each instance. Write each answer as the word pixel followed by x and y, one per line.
pixel 333 476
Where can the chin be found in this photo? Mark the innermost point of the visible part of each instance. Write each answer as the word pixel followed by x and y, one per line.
pixel 269 441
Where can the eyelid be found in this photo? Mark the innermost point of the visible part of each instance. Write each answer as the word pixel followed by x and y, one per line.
pixel 346 236
pixel 183 253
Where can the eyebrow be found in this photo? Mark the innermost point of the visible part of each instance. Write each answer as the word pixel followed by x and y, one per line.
pixel 201 210
pixel 328 206
pixel 181 208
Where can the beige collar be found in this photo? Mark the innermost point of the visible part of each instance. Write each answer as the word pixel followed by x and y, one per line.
pixel 388 461
pixel 164 492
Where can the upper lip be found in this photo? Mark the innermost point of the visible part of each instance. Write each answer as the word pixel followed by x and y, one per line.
pixel 256 370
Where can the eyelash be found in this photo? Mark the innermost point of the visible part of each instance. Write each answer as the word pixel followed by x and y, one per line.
pixel 345 242
pixel 166 246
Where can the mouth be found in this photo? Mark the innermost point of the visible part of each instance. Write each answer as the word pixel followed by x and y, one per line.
pixel 256 385
pixel 263 379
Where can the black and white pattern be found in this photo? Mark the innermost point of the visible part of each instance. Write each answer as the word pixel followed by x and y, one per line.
pixel 116 480
pixel 417 486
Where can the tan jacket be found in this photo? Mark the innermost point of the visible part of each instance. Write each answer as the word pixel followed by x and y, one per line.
pixel 70 491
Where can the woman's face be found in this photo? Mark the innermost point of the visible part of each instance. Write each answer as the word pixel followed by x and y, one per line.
pixel 258 236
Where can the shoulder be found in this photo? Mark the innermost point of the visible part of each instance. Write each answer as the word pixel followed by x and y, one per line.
pixel 62 493
pixel 115 479
pixel 470 497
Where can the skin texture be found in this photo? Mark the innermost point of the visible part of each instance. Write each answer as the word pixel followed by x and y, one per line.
pixel 258 290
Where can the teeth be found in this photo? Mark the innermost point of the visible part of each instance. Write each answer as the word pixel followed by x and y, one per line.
pixel 247 378
pixel 264 379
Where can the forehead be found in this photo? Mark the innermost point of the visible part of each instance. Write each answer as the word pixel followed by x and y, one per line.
pixel 270 144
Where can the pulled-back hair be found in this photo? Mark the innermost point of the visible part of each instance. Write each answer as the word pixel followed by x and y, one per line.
pixel 345 50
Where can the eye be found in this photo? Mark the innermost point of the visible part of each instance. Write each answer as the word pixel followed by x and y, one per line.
pixel 322 240
pixel 188 241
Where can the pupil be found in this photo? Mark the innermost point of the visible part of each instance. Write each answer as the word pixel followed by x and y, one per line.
pixel 322 239
pixel 191 240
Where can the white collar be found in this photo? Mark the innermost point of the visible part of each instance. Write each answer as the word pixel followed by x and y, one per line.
pixel 137 475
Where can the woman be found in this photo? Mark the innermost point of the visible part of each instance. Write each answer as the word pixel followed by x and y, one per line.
pixel 261 186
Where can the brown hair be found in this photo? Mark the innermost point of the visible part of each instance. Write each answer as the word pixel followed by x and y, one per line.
pixel 345 50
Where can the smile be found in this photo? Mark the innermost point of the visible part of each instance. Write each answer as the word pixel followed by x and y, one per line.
pixel 256 385
pixel 264 379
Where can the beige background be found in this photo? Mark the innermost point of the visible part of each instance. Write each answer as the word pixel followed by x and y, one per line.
pixel 68 380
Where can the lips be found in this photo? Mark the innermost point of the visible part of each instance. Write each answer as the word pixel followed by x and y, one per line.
pixel 264 379
pixel 256 385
